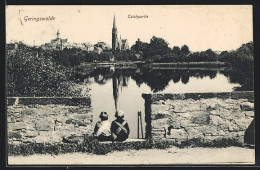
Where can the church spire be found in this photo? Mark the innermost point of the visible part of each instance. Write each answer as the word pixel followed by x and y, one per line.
pixel 114 22
pixel 58 33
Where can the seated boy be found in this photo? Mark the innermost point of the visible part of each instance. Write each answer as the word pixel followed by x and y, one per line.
pixel 102 128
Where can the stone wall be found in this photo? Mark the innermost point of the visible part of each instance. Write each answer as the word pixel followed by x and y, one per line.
pixel 48 120
pixel 208 116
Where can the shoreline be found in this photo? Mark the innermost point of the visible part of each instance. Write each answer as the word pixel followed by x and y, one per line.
pixel 172 65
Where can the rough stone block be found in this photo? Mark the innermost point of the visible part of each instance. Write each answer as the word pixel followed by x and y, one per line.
pixel 194 132
pixel 233 127
pixel 31 111
pixel 218 121
pixel 243 123
pixel 10 120
pixel 17 126
pixel 201 118
pixel 81 116
pixel 196 107
pixel 214 112
pixel 77 122
pixel 249 113
pixel 44 125
pixel 159 108
pixel 184 123
pixel 16 135
pixel 211 130
pixel 160 115
pixel 28 140
pixel 31 134
pixel 235 134
pixel 160 123
pixel 177 134
pixel 180 108
pixel 247 106
pixel 232 114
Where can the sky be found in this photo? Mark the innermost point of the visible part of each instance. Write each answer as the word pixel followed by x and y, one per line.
pixel 219 27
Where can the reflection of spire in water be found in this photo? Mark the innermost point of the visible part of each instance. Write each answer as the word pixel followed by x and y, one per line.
pixel 115 89
pixel 125 80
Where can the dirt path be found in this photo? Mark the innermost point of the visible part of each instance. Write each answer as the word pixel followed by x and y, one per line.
pixel 230 155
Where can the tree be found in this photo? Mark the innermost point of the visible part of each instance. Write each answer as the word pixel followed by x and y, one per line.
pixel 33 73
pixel 157 46
pixel 176 50
pixel 139 46
pixel 185 50
pixel 210 55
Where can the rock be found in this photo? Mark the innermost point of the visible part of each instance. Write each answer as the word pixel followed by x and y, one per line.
pixel 10 120
pixel 176 124
pixel 67 127
pixel 31 134
pixel 216 120
pixel 179 108
pixel 17 126
pixel 16 135
pixel 29 140
pixel 31 111
pixel 160 115
pixel 160 123
pixel 196 107
pixel 211 130
pixel 177 134
pixel 81 116
pixel 249 113
pixel 214 112
pixel 184 123
pixel 243 123
pixel 194 132
pixel 201 118
pixel 159 108
pixel 77 122
pixel 186 115
pixel 44 125
pixel 233 127
pixel 19 119
pixel 232 114
pixel 234 134
pixel 247 106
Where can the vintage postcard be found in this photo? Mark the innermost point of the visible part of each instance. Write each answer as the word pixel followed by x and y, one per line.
pixel 130 85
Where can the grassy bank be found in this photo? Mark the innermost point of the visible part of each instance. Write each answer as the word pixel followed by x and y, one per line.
pixel 91 145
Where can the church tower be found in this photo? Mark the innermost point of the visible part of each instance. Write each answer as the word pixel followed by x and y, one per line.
pixel 58 33
pixel 114 35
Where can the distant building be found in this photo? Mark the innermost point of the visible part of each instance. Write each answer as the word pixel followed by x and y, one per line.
pixel 103 45
pixel 118 43
pixel 59 43
pixel 98 50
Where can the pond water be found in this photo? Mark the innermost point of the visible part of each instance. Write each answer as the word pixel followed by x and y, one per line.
pixel 116 88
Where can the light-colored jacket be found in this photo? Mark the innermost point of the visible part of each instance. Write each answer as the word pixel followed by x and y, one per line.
pixel 102 128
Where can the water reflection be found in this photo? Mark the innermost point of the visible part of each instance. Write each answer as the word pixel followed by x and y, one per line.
pixel 116 88
pixel 116 83
pixel 158 79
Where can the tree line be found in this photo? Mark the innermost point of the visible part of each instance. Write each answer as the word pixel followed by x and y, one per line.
pixel 34 71
pixel 158 50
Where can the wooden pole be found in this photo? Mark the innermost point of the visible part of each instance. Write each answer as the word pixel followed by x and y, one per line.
pixel 141 125
pixel 138 125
